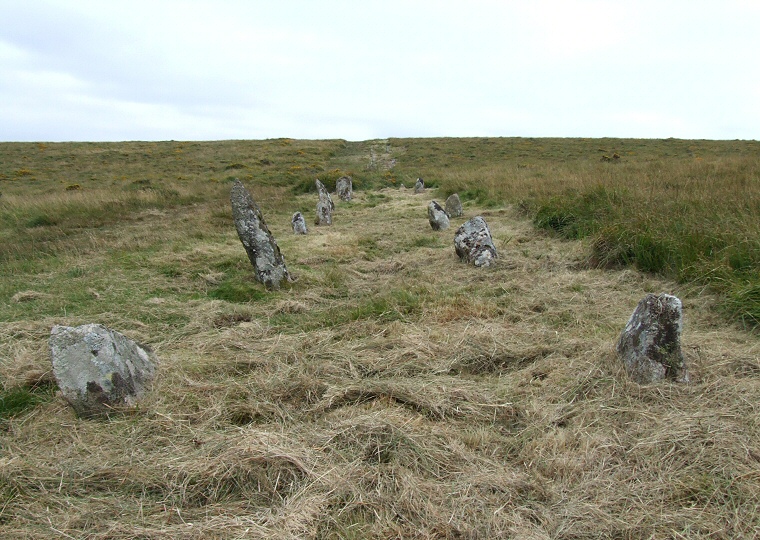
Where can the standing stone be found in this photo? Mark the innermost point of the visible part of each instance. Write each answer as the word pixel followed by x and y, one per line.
pixel 650 344
pixel 437 216
pixel 324 213
pixel 453 206
pixel 473 242
pixel 324 194
pixel 344 188
pixel 259 244
pixel 99 370
pixel 419 186
pixel 299 223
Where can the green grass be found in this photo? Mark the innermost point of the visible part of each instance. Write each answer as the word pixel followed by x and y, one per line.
pixel 688 210
pixel 18 400
pixel 391 390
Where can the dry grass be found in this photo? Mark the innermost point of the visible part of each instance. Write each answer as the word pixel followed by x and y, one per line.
pixel 391 392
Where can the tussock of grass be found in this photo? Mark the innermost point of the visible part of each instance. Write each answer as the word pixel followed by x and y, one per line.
pixel 391 391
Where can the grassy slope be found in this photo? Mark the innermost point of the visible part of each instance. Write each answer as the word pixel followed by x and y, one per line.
pixel 390 391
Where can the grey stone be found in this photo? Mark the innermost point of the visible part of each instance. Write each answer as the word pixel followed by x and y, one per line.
pixel 324 213
pixel 324 194
pixel 344 188
pixel 437 216
pixel 299 223
pixel 650 344
pixel 419 185
pixel 261 247
pixel 454 206
pixel 99 370
pixel 473 242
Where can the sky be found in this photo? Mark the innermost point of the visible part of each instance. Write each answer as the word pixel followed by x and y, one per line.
pixel 119 70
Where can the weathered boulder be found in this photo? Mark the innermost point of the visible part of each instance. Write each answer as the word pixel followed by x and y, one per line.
pixel 650 344
pixel 261 247
pixel 324 194
pixel 299 223
pixel 437 216
pixel 419 186
pixel 324 213
pixel 454 206
pixel 344 188
pixel 99 370
pixel 473 242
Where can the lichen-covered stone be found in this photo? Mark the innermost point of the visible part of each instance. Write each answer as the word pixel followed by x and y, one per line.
pixel 324 194
pixel 650 344
pixel 419 186
pixel 99 370
pixel 324 213
pixel 261 247
pixel 344 188
pixel 437 216
pixel 299 223
pixel 473 242
pixel 454 206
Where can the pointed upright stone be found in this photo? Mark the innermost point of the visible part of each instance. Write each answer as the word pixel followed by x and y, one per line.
pixel 419 186
pixel 473 242
pixel 650 344
pixel 261 247
pixel 324 194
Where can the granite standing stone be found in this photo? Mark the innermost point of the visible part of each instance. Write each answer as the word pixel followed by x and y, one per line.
pixel 454 206
pixel 324 194
pixel 344 188
pixel 437 216
pixel 324 213
pixel 261 247
pixel 650 344
pixel 419 186
pixel 99 370
pixel 299 224
pixel 473 242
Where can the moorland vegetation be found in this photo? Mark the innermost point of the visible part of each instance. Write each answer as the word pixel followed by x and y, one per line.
pixel 391 391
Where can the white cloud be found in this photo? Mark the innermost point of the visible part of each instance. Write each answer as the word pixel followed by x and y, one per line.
pixel 175 69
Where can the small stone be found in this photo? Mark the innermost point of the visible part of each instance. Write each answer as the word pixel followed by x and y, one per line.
pixel 437 216
pixel 99 370
pixel 454 206
pixel 261 247
pixel 473 242
pixel 299 223
pixel 650 344
pixel 419 186
pixel 344 188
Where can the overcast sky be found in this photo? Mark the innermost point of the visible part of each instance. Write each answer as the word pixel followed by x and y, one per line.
pixel 113 70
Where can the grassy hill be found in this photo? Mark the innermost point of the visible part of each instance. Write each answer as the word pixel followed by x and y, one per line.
pixel 391 391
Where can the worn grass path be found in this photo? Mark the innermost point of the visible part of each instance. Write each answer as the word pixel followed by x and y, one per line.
pixel 390 392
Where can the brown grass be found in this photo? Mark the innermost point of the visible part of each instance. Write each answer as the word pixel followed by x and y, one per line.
pixel 391 392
